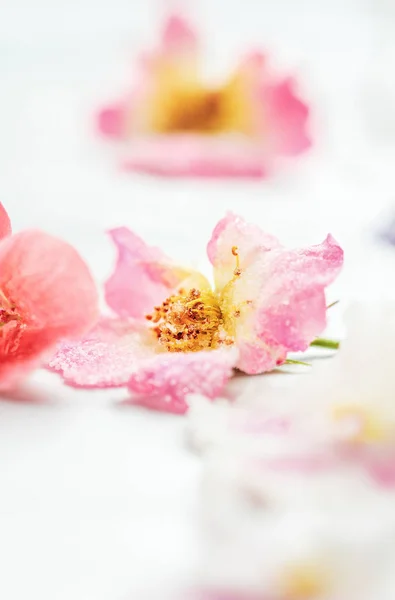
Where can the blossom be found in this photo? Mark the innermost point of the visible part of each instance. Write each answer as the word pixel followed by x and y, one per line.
pixel 175 334
pixel 343 413
pixel 46 293
pixel 178 124
pixel 356 394
pixel 289 533
pixel 5 224
pixel 282 480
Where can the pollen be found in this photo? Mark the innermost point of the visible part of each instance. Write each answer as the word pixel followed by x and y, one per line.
pixel 12 326
pixel 8 311
pixel 195 110
pixel 189 322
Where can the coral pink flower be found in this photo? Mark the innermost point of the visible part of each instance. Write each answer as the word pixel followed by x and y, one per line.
pixel 175 334
pixel 5 225
pixel 46 293
pixel 179 125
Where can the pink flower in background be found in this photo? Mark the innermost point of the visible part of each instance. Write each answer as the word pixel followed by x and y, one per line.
pixel 46 293
pixel 176 334
pixel 176 124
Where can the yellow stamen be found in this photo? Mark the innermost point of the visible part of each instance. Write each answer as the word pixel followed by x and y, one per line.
pixel 199 319
pixel 232 310
pixel 8 311
pixel 189 322
pixel 305 582
pixel 235 252
pixel 371 429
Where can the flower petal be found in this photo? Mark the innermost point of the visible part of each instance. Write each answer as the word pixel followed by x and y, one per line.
pixel 5 224
pixel 178 36
pixel 181 155
pixel 143 276
pixel 286 119
pixel 51 289
pixel 176 54
pixel 164 381
pixel 289 310
pixel 48 282
pixel 111 120
pixel 232 231
pixel 105 357
pixel 383 471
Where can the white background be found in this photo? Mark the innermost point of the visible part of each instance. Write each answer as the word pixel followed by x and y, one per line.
pixel 98 500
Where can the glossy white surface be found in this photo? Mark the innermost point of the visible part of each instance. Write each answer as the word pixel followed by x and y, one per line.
pixel 98 500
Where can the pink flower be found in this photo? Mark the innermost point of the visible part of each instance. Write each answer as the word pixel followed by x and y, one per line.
pixel 176 335
pixel 46 293
pixel 5 224
pixel 179 125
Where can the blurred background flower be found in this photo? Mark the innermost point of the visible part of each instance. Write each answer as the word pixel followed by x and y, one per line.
pixel 178 123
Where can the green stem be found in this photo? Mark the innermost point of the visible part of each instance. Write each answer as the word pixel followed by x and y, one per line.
pixel 332 304
pixel 289 361
pixel 325 343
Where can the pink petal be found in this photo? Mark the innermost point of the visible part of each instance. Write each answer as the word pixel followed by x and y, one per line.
pixel 5 224
pixel 53 292
pixel 257 357
pixel 280 292
pixel 105 357
pixel 304 464
pixel 383 472
pixel 378 460
pixel 181 155
pixel 143 276
pixel 164 381
pixel 48 281
pixel 123 119
pixel 285 119
pixel 178 46
pixel 290 310
pixel 254 62
pixel 111 120
pixel 178 36
pixel 232 231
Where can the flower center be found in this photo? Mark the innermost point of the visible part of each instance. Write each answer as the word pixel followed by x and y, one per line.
pixel 8 312
pixel 304 583
pixel 365 425
pixel 195 110
pixel 189 322
pixel 11 326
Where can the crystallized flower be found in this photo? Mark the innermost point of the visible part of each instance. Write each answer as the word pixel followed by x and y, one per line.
pixel 178 124
pixel 280 529
pixel 344 412
pixel 5 225
pixel 176 334
pixel 46 293
pixel 356 390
